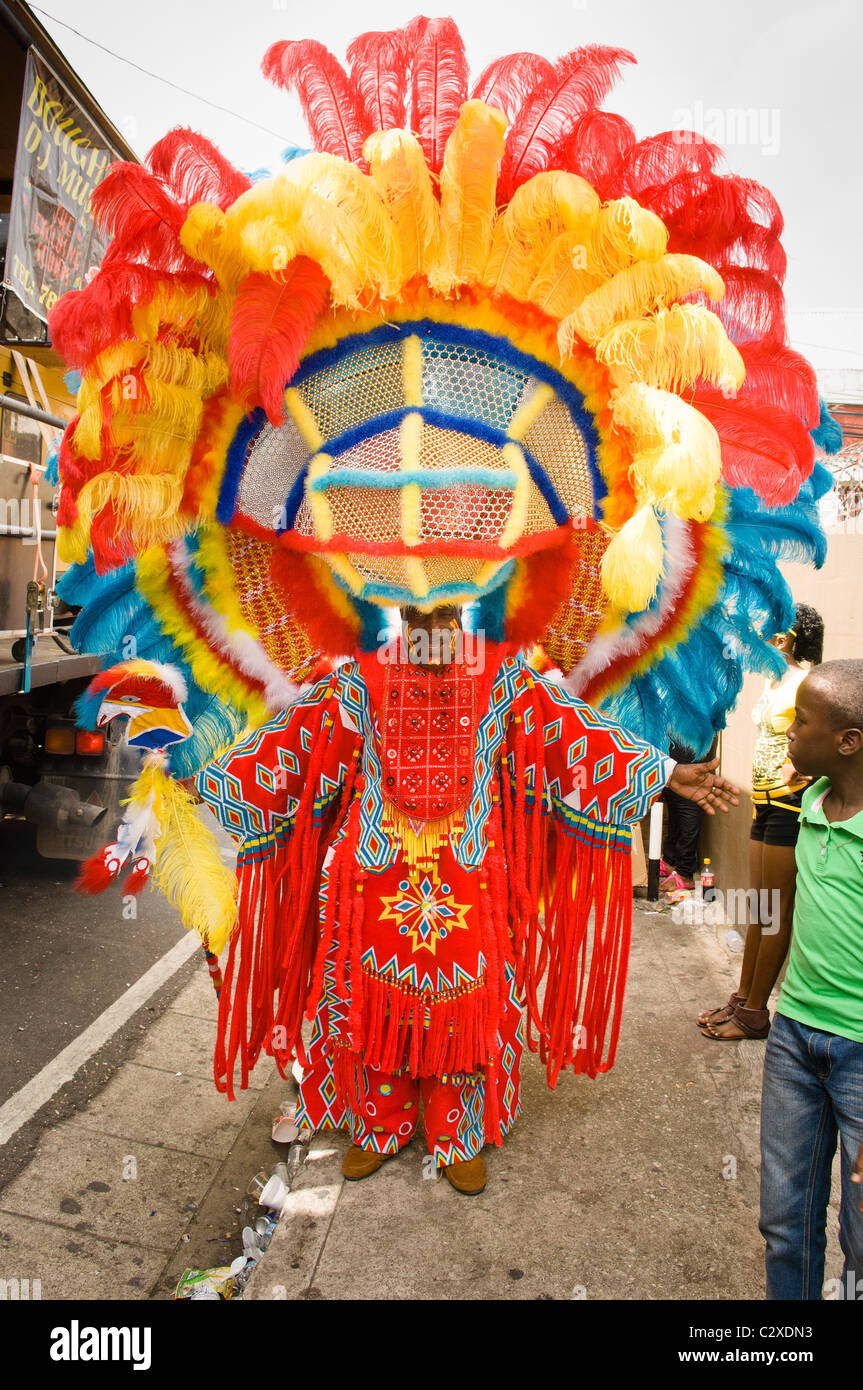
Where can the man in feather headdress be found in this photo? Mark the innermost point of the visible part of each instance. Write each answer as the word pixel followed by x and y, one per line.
pixel 438 890
pixel 462 353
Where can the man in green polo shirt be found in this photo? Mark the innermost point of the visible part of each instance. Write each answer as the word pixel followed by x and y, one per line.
pixel 813 1068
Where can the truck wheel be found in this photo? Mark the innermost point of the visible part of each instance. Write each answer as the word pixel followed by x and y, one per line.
pixel 19 649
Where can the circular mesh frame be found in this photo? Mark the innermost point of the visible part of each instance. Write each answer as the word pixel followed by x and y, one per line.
pixel 477 388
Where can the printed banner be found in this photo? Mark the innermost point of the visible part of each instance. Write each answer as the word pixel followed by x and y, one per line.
pixel 61 156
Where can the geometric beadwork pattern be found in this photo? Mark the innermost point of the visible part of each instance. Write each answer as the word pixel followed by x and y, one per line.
pixel 620 773
pixel 429 719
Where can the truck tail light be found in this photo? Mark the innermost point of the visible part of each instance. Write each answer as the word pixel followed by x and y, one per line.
pixel 60 739
pixel 89 744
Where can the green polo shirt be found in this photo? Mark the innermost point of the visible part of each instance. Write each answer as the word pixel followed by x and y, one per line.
pixel 823 985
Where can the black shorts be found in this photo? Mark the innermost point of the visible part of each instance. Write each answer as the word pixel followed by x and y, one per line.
pixel 777 820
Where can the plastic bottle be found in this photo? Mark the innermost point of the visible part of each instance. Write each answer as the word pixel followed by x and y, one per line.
pixel 708 883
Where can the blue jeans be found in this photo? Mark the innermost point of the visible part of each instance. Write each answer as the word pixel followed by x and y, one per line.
pixel 813 1091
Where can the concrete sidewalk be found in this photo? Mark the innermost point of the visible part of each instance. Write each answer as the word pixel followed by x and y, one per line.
pixel 640 1185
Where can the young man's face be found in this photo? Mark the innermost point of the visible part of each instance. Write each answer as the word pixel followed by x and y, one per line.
pixel 813 746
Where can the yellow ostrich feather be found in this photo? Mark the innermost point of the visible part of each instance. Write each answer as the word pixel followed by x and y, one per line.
pixel 563 278
pixel 112 361
pixel 276 197
pixel 269 244
pixel 403 181
pixel 632 565
pixel 678 460
pixel 87 434
pixel 669 349
pixel 640 287
pixel 624 231
pixel 194 314
pixel 73 542
pixel 188 867
pixel 145 505
pixel 204 372
pixel 203 236
pixel 324 208
pixel 467 186
pixel 161 363
pixel 147 450
pixel 166 408
pixel 543 209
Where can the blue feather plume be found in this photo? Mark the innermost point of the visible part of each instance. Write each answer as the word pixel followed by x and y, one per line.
pixel 828 432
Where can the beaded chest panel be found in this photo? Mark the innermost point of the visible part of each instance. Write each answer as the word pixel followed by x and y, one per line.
pixel 428 730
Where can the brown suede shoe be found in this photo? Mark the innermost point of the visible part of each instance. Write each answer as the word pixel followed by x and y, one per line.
pixel 361 1163
pixel 469 1177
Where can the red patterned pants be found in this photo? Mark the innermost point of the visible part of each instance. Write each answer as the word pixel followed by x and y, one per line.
pixel 452 1119
pixel 386 1118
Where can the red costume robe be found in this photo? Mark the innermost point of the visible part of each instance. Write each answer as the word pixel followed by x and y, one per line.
pixel 427 855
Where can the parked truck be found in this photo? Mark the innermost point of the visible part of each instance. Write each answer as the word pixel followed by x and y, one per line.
pixel 56 143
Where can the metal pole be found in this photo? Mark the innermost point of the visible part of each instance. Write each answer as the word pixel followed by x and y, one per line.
pixel 654 851
pixel 32 412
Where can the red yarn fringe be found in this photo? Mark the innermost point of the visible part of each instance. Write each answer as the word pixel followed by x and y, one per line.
pixel 571 919
pixel 271 957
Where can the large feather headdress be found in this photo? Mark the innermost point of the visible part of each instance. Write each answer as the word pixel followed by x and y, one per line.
pixel 480 345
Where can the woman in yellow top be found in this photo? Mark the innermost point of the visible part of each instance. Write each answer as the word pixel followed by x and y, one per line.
pixel 776 792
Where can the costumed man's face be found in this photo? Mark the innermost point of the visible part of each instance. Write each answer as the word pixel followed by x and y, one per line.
pixel 431 638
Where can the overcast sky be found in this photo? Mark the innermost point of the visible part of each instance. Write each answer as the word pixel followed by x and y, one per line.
pixel 779 83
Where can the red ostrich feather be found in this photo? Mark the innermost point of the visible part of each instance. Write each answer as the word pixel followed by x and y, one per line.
pixel 664 157
pixel 379 72
pixel 597 149
pixel 580 81
pixel 86 321
pixel 270 324
pixel 509 81
pixel 777 375
pixel 439 84
pixel 331 109
pixel 763 447
pixel 142 218
pixel 194 171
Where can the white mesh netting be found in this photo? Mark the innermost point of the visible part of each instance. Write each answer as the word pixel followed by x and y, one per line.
pixel 273 465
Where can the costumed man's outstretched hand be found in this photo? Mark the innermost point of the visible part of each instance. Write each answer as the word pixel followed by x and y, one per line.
pixel 699 783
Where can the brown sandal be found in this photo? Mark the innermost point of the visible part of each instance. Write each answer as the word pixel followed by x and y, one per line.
pixel 723 1013
pixel 753 1023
